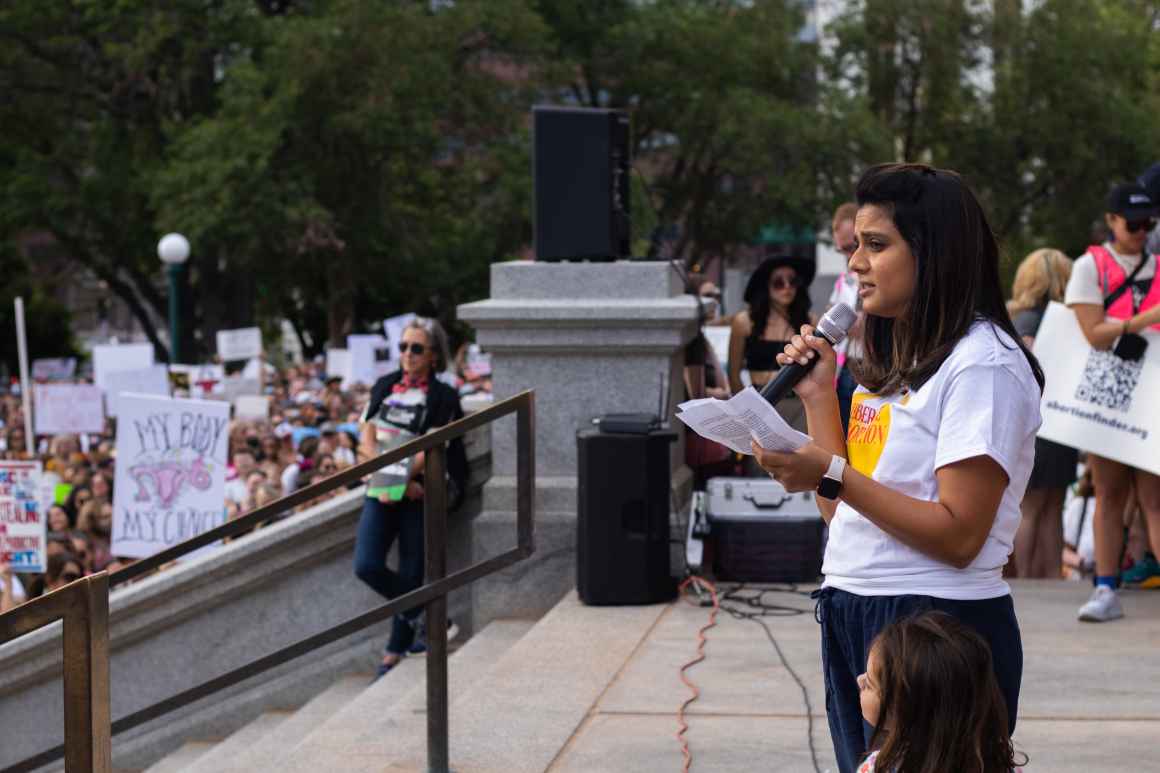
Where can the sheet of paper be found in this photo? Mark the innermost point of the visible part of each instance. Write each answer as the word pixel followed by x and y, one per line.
pixel 734 422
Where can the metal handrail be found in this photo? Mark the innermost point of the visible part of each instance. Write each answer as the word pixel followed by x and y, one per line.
pixel 83 607
pixel 432 595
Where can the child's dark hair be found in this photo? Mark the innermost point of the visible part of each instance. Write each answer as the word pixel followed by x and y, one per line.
pixel 941 708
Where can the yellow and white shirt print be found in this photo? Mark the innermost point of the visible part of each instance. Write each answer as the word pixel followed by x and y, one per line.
pixel 983 400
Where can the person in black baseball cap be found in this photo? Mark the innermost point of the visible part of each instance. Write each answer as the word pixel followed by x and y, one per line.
pixel 1115 296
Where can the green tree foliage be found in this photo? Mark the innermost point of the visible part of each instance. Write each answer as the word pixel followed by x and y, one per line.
pixel 1041 105
pixel 731 125
pixel 334 161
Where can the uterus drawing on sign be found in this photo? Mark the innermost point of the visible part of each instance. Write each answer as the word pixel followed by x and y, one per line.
pixel 163 481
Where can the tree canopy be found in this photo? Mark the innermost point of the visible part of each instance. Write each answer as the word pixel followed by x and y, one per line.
pixel 334 162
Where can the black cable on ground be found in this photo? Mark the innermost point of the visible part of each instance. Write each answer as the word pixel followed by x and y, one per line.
pixel 763 609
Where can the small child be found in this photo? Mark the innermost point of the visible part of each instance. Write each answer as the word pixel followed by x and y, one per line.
pixel 931 695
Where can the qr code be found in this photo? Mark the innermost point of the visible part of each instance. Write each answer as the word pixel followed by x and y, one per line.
pixel 1109 381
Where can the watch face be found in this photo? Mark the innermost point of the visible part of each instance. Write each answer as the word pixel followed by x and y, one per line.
pixel 829 488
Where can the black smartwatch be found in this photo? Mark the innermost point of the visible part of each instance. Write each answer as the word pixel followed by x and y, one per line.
pixel 831 484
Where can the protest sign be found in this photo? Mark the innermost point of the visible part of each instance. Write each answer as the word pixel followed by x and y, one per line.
pixel 54 369
pixel 170 474
pixel 198 381
pixel 68 409
pixel 370 358
pixel 110 358
pixel 252 407
pixel 22 537
pixel 240 344
pixel 338 364
pixel 1095 401
pixel 153 380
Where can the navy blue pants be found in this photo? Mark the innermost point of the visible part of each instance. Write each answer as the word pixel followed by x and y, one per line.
pixel 849 625
pixel 378 527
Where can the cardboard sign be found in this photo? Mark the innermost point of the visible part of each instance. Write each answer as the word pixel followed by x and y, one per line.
pixel 252 407
pixel 55 369
pixel 338 364
pixel 22 516
pixel 170 474
pixel 153 380
pixel 199 382
pixel 370 358
pixel 68 409
pixel 111 358
pixel 1095 401
pixel 240 344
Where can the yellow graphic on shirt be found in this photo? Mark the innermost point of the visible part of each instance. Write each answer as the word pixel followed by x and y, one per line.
pixel 869 428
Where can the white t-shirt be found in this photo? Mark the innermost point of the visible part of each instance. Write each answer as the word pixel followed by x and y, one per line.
pixel 1084 285
pixel 983 400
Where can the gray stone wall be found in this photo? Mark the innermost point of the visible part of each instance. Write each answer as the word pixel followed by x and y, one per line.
pixel 590 338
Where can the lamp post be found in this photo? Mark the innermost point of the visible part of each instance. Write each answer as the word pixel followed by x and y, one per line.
pixel 173 249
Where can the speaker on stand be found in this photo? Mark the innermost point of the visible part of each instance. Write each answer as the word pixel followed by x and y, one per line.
pixel 581 175
pixel 622 525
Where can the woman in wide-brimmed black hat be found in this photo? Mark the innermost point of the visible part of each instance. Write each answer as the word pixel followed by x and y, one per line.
pixel 778 302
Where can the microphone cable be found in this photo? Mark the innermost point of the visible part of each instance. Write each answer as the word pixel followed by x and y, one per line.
pixel 755 608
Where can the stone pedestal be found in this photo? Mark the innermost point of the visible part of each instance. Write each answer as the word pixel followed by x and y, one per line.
pixel 590 338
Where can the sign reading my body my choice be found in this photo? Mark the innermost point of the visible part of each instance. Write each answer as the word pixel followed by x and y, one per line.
pixel 171 472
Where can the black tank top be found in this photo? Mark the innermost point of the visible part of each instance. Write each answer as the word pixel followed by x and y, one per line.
pixel 761 355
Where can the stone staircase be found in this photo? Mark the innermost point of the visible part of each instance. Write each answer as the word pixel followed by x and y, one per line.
pixel 518 692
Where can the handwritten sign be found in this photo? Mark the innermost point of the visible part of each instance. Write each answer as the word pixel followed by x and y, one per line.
pixel 54 369
pixel 1095 401
pixel 68 409
pixel 240 344
pixel 22 537
pixel 153 380
pixel 171 472
pixel 110 358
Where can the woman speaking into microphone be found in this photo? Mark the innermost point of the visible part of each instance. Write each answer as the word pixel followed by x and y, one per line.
pixel 922 495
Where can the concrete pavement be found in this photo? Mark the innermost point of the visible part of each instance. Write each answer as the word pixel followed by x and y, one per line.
pixel 1090 699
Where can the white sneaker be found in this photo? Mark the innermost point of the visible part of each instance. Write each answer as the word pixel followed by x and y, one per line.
pixel 1104 605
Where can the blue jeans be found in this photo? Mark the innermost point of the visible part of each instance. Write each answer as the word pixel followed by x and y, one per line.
pixel 849 625
pixel 378 527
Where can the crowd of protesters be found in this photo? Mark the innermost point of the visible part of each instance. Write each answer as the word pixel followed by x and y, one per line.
pixel 313 430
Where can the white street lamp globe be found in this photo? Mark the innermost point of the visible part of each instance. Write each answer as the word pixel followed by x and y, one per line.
pixel 173 249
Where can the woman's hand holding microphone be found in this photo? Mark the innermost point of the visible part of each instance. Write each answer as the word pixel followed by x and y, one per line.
pixel 803 469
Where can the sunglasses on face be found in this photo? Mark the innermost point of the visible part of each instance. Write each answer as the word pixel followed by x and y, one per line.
pixel 784 283
pixel 1135 226
pixel 70 577
pixel 326 468
pixel 418 349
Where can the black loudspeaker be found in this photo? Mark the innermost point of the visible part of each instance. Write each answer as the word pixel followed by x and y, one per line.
pixel 581 165
pixel 622 524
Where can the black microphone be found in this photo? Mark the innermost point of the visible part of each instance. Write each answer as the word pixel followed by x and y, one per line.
pixel 832 327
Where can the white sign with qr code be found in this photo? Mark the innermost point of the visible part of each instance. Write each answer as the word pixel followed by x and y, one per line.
pixel 1094 400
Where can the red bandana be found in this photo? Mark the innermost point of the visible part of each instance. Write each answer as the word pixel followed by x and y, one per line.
pixel 410 382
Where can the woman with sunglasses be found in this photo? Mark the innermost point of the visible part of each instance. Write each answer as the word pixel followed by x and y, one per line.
pixel 922 494
pixel 778 301
pixel 1115 295
pixel 404 405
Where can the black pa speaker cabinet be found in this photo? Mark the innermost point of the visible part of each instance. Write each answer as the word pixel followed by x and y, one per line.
pixel 622 525
pixel 581 183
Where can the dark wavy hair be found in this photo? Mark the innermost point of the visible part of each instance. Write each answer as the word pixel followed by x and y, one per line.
pixel 941 708
pixel 958 276
pixel 798 312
